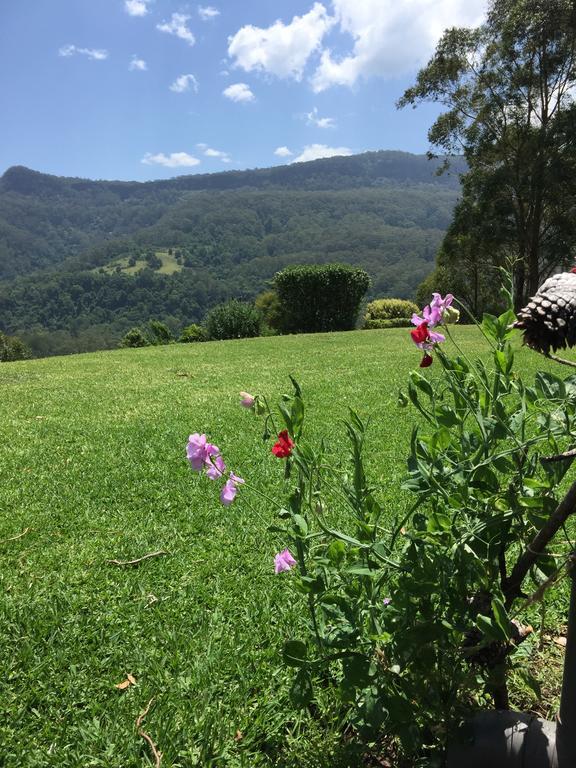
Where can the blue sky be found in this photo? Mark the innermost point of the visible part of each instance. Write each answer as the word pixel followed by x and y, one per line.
pixel 148 89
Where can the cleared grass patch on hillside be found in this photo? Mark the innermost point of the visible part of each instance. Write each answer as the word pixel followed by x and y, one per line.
pixel 122 265
pixel 93 463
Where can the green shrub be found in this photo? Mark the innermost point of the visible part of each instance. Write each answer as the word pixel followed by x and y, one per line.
pixel 392 322
pixel 12 348
pixel 233 320
pixel 320 297
pixel 135 338
pixel 389 309
pixel 268 304
pixel 193 333
pixel 161 334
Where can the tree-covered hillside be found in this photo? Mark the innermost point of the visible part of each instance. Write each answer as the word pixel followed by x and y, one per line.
pixel 63 241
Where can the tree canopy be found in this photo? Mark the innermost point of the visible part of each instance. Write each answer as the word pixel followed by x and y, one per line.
pixel 507 87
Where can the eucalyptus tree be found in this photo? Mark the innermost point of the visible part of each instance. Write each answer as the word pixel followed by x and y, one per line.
pixel 508 91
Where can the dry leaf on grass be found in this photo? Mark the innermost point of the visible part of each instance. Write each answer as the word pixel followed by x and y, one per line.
pixel 130 680
pixel 561 641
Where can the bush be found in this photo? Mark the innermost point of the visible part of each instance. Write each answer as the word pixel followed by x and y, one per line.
pixel 393 322
pixel 320 297
pixel 268 304
pixel 389 309
pixel 233 320
pixel 193 333
pixel 160 332
pixel 12 348
pixel 134 338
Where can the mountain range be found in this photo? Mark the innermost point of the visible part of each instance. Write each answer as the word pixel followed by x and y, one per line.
pixel 81 261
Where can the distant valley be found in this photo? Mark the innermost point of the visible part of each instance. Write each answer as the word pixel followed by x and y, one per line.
pixel 82 261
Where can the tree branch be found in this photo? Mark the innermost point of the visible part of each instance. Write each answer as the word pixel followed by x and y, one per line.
pixel 538 544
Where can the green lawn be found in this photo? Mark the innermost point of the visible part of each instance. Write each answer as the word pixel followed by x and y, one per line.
pixel 92 468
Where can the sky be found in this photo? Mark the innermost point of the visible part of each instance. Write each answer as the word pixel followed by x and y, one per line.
pixel 151 89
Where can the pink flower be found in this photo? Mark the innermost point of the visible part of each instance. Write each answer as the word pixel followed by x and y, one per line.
pixel 247 400
pixel 215 467
pixel 199 450
pixel 440 303
pixel 284 561
pixel 433 313
pixel 228 492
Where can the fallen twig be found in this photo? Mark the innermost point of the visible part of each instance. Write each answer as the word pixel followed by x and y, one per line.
pixel 156 754
pixel 562 360
pixel 138 559
pixel 13 538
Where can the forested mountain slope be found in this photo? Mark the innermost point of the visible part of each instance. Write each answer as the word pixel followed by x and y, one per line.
pixel 65 244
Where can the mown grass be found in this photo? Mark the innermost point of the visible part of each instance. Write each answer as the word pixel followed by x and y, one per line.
pixel 92 467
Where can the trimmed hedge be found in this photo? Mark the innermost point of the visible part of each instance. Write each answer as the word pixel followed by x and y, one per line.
pixel 392 322
pixel 320 298
pixel 390 309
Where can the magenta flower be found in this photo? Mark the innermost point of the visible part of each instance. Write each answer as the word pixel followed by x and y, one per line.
pixel 440 303
pixel 229 490
pixel 433 313
pixel 196 451
pixel 215 467
pixel 387 600
pixel 247 400
pixel 284 561
pixel 430 316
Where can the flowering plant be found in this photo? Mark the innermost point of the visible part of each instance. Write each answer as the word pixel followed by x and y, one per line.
pixel 415 614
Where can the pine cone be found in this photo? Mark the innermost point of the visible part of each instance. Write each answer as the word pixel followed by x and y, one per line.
pixel 549 319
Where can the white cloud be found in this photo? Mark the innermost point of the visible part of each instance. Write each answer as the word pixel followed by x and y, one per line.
pixel 136 7
pixel 282 49
pixel 217 153
pixel 313 118
pixel 184 83
pixel 239 92
pixel 207 12
pixel 173 160
pixel 383 38
pixel 316 151
pixel 283 152
pixel 137 64
pixel 390 38
pixel 96 54
pixel 177 26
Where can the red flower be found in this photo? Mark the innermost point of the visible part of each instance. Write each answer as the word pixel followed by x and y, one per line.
pixel 426 361
pixel 283 448
pixel 420 334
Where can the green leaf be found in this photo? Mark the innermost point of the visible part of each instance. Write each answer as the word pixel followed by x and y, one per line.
pixel 301 692
pixel 336 552
pixel 297 389
pixel 299 525
pixel 295 653
pixel 489 629
pixel 530 682
pixel 297 414
pixel 446 416
pixel 501 617
pixel 286 416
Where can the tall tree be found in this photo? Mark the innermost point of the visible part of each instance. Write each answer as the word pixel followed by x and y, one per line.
pixel 508 88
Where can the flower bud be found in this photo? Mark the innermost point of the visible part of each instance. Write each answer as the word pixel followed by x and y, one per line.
pixel 247 400
pixel 450 315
